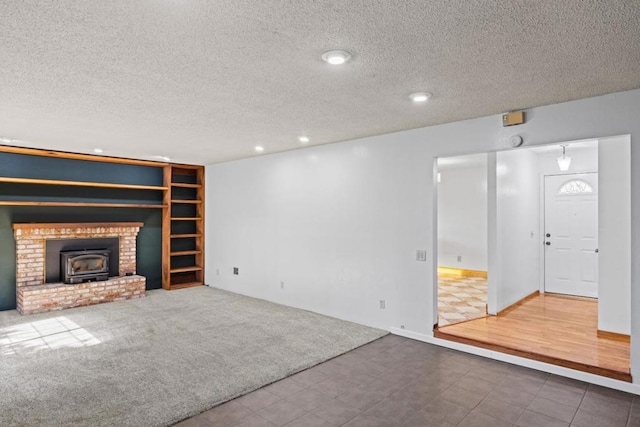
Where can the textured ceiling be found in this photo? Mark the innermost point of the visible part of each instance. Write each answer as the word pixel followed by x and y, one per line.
pixel 206 81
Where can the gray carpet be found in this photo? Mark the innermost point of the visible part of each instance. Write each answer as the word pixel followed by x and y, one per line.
pixel 156 360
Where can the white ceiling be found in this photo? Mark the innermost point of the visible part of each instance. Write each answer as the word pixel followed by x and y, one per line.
pixel 206 81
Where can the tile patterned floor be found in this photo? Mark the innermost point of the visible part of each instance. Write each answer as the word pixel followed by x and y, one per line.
pixel 395 381
pixel 461 298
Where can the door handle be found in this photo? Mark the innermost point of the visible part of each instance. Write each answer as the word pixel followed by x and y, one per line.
pixel 548 235
pixel 547 243
pixel 597 250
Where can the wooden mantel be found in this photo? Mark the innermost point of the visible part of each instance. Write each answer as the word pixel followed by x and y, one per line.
pixel 32 225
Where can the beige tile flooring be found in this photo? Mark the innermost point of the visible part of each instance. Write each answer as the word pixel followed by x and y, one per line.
pixel 461 298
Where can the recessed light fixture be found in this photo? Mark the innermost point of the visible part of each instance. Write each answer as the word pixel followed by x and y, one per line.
pixel 303 139
pixel 336 57
pixel 97 150
pixel 4 140
pixel 163 158
pixel 420 97
pixel 259 148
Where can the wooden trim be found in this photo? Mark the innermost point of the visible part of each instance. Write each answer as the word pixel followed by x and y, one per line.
pixel 185 185
pixel 462 272
pixel 166 228
pixel 178 218
pixel 186 202
pixel 183 253
pixel 184 236
pixel 77 156
pixel 517 304
pixel 30 226
pixel 185 269
pixel 80 183
pixel 81 204
pixel 185 166
pixel 200 225
pixel 186 285
pixel 614 336
pixel 621 376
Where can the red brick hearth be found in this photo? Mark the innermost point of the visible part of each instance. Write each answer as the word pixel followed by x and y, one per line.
pixel 35 296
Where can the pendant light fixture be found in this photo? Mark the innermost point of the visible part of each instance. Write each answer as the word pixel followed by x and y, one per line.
pixel 564 161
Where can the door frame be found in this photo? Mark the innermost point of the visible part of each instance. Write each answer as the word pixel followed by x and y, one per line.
pixel 541 231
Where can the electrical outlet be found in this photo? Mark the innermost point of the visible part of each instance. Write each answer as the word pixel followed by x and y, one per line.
pixel 236 271
pixel 421 255
pixel 459 258
pixel 281 285
pixel 383 304
pixel 217 271
pixel 401 326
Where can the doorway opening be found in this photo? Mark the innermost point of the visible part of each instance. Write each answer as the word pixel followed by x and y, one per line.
pixel 558 256
pixel 462 238
pixel 571 234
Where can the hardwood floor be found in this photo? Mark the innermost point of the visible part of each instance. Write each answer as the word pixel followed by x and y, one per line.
pixel 550 328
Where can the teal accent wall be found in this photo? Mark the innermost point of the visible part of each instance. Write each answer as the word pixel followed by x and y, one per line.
pixel 149 261
pixel 149 242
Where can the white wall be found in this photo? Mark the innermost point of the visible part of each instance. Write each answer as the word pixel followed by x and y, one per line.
pixel 518 224
pixel 462 218
pixel 331 223
pixel 340 223
pixel 614 236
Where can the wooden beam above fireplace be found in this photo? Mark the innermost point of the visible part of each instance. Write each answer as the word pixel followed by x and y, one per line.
pixel 29 226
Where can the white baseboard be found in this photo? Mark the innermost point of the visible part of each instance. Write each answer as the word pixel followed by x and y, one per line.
pixel 521 361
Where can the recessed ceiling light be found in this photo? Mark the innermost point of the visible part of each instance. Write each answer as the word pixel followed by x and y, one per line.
pixel 4 140
pixel 420 97
pixel 336 57
pixel 97 150
pixel 259 148
pixel 163 158
pixel 303 139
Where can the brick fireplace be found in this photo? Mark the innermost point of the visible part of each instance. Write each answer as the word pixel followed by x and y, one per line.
pixel 34 295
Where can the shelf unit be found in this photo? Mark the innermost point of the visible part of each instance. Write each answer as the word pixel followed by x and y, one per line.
pixel 80 184
pixel 183 227
pixel 81 204
pixel 181 198
pixel 62 189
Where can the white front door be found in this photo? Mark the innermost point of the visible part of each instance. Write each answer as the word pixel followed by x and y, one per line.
pixel 571 234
